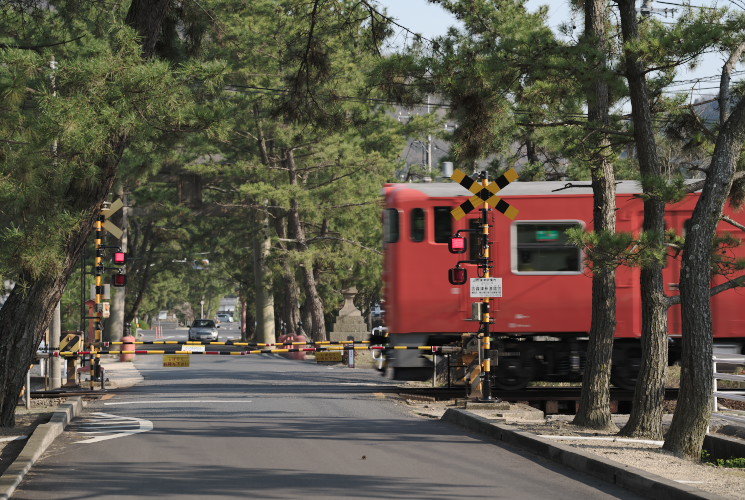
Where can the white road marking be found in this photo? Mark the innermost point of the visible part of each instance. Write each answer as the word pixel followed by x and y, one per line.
pixel 142 425
pixel 365 384
pixel 179 401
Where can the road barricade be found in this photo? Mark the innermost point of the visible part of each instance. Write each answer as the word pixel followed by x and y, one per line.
pixel 292 340
pixel 128 344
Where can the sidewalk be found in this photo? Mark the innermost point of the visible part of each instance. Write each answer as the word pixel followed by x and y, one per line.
pixel 120 375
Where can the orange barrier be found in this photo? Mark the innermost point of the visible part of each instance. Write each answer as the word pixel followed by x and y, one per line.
pixel 128 344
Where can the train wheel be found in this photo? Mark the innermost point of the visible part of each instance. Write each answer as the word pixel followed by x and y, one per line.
pixel 627 361
pixel 512 373
pixel 412 373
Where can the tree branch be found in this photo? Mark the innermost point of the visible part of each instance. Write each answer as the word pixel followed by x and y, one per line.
pixel 38 47
pixel 577 122
pixel 344 240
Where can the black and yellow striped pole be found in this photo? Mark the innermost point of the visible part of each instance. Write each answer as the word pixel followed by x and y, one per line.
pixel 486 318
pixel 484 196
pixel 99 293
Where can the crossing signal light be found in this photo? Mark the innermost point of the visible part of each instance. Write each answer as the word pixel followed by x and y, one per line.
pixel 457 276
pixel 119 279
pixel 458 244
pixel 120 258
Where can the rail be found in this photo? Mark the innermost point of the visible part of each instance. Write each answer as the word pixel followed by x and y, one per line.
pixel 734 415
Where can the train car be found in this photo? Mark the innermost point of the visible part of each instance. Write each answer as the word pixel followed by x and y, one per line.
pixel 542 321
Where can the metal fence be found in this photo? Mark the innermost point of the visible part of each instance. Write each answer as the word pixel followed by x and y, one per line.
pixel 720 411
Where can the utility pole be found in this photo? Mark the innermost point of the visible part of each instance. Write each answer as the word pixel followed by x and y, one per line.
pixel 429 144
pixel 55 368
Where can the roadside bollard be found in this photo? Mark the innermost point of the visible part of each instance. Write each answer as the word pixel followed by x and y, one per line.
pixel 300 355
pixel 128 345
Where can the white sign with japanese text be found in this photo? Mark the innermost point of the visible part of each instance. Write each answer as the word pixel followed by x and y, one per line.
pixel 486 287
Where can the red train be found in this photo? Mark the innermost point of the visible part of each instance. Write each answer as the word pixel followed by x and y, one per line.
pixel 542 320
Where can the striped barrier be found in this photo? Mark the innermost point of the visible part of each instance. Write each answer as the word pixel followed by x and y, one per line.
pixel 231 342
pixel 435 349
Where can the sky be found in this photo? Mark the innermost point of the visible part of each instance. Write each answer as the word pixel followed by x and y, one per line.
pixel 432 20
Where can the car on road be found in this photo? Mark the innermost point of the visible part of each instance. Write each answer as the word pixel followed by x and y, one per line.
pixel 225 317
pixel 203 329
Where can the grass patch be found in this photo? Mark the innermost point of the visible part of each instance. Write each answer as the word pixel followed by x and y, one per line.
pixel 729 463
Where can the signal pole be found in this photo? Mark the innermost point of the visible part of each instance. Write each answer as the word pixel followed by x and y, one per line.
pixel 486 317
pixel 485 286
pixel 98 271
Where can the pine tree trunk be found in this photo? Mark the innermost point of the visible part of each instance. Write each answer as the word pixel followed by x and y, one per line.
pixel 144 271
pixel 646 417
pixel 263 287
pixel 291 307
pixel 28 310
pixel 146 16
pixel 594 409
pixel 690 421
pixel 645 420
pixel 23 319
pixel 318 329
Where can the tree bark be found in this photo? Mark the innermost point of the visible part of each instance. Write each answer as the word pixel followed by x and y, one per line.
pixel 594 409
pixel 28 310
pixel 690 421
pixel 264 294
pixel 646 417
pixel 143 269
pixel 291 306
pixel 318 328
pixel 146 17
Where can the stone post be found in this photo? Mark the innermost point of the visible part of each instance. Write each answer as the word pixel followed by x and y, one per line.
pixel 349 324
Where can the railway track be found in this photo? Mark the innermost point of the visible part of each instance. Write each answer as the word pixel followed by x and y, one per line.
pixel 551 400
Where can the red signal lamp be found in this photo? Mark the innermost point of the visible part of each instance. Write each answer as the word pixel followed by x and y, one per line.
pixel 457 244
pixel 119 279
pixel 457 276
pixel 120 258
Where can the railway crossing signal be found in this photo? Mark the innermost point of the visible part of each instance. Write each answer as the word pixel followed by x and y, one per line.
pixel 483 194
pixel 109 226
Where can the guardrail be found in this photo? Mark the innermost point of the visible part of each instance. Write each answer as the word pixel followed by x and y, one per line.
pixel 730 359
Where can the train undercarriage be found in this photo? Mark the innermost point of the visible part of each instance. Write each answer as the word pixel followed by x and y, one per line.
pixel 518 361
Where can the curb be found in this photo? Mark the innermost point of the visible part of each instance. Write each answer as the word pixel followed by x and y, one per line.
pixel 627 477
pixel 37 444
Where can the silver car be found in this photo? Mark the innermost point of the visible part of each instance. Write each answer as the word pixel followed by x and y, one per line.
pixel 226 317
pixel 203 329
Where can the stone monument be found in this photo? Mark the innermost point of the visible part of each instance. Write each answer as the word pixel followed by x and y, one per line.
pixel 349 324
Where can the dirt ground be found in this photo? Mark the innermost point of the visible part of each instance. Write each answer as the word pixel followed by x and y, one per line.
pixel 726 482
pixel 13 439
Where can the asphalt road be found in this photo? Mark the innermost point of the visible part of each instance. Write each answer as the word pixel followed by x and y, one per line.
pixel 260 426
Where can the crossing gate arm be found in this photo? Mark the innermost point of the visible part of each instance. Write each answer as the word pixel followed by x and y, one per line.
pixel 257 351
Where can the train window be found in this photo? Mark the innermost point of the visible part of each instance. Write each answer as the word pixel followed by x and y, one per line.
pixel 417 224
pixel 443 224
pixel 543 247
pixel 390 225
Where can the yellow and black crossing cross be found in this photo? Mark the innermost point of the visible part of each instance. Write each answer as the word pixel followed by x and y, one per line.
pixel 483 194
